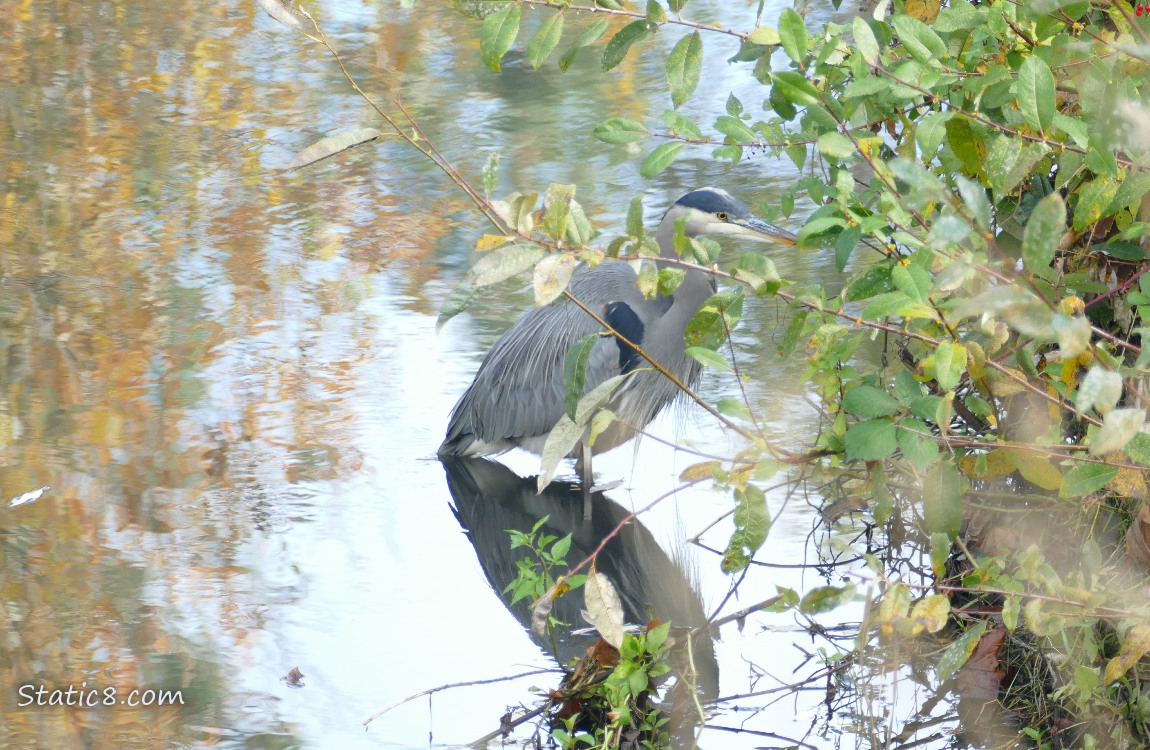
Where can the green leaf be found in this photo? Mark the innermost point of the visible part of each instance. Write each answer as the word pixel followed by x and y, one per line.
pixel 1084 479
pixel 942 499
pixel 619 45
pixel 1093 198
pixel 1009 162
pixel 708 328
pixel 916 443
pixel 545 40
pixel 920 41
pixel 929 133
pixel 793 34
pixel 959 652
pixel 825 598
pixel 1010 609
pixel 845 246
pixel 660 158
pixel 708 358
pixel 1138 449
pixel 759 272
pixel 752 524
pixel 969 149
pixel 557 207
pixel 836 146
pixel 875 280
pixel 490 174
pixel 635 226
pixel 766 36
pixel 865 40
pixel 682 125
pixel 868 401
pixel 734 128
pixel 684 66
pixel 505 262
pixel 871 440
pixel 974 196
pixel 498 34
pixel 655 12
pixel 1043 232
pixel 1034 87
pixel 575 372
pixel 949 364
pixel 457 301
pixel 588 35
pixel 620 130
pixel 560 549
pixel 794 332
pixel 733 407
pixel 795 88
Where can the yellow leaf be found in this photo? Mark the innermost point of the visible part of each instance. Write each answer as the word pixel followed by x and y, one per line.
pixel 699 471
pixel 924 10
pixel 998 465
pixel 932 612
pixel 1002 385
pixel 1128 483
pixel 1035 468
pixel 491 241
pixel 1134 647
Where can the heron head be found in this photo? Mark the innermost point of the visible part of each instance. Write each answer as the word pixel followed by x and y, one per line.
pixel 713 212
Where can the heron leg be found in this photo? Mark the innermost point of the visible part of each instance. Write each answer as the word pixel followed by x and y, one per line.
pixel 586 477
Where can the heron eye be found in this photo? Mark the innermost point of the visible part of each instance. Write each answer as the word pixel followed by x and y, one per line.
pixel 722 216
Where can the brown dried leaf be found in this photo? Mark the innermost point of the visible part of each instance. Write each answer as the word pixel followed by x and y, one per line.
pixel 294 678
pixel 842 506
pixel 332 145
pixel 1138 537
pixel 981 676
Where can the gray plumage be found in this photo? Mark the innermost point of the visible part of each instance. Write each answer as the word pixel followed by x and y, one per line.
pixel 518 394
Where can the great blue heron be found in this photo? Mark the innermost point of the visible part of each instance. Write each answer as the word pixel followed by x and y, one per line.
pixel 518 394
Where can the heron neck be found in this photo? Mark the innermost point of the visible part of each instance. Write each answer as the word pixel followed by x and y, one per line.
pixel 697 285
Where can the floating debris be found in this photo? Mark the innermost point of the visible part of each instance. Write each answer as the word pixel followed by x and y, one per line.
pixel 294 678
pixel 28 497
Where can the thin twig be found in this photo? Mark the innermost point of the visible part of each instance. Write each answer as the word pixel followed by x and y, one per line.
pixel 470 683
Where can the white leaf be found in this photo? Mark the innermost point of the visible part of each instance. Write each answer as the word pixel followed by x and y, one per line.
pixel 28 497
pixel 604 610
pixel 560 441
pixel 1100 389
pixel 552 275
pixel 590 402
pixel 282 12
pixel 504 263
pixel 542 610
pixel 1117 429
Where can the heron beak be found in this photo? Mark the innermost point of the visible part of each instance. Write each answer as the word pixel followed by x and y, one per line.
pixel 753 228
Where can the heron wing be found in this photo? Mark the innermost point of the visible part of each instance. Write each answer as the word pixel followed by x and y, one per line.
pixel 518 393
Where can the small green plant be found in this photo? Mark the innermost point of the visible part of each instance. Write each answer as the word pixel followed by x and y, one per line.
pixel 568 736
pixel 536 572
pixel 606 700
